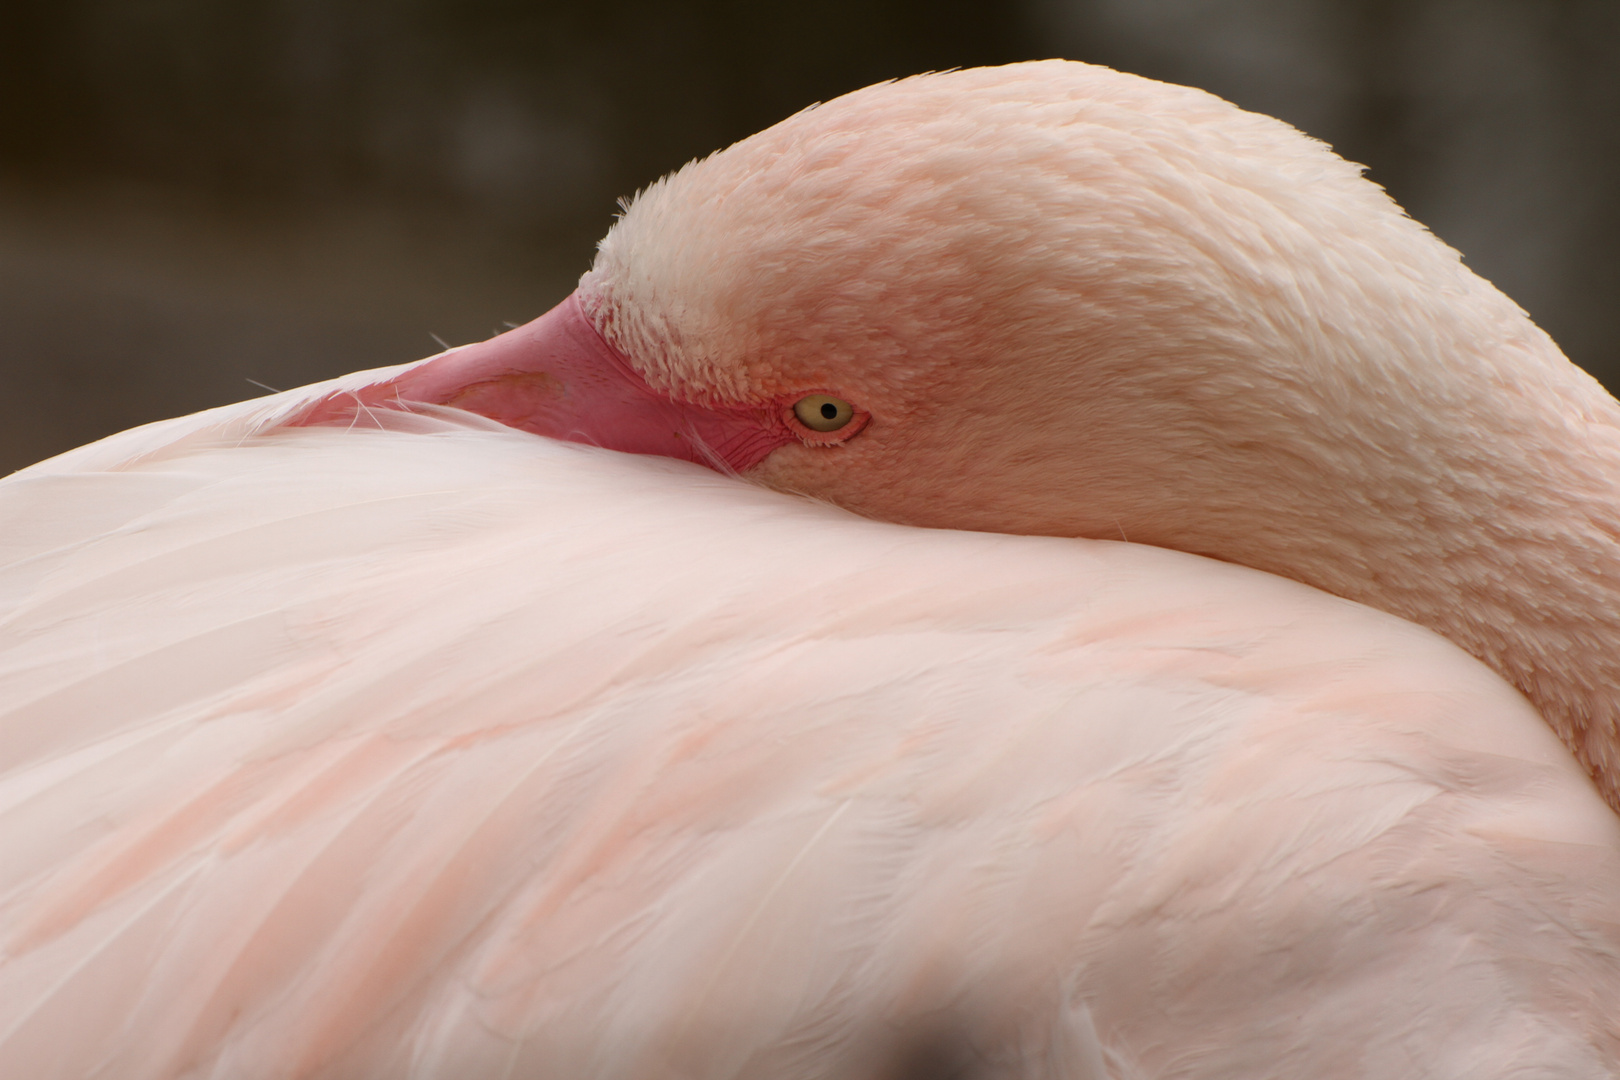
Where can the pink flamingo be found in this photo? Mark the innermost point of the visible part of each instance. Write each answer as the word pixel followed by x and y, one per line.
pixel 352 734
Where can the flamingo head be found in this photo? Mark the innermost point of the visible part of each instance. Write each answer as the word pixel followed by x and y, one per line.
pixel 1047 298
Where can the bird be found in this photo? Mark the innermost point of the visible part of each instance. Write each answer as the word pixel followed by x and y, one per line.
pixel 1024 571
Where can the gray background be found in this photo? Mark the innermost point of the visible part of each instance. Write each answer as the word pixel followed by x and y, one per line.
pixel 199 193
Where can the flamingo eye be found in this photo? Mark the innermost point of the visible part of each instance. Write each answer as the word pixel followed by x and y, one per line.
pixel 823 412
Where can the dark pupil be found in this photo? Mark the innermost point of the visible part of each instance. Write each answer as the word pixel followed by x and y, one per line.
pixel 829 411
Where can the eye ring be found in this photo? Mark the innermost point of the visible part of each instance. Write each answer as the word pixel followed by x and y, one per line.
pixel 824 419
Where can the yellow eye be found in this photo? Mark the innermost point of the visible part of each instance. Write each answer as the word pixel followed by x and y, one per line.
pixel 823 412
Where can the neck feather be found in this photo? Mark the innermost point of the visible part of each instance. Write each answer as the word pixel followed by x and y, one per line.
pixel 1496 524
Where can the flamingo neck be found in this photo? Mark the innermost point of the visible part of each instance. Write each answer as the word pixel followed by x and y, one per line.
pixel 1505 538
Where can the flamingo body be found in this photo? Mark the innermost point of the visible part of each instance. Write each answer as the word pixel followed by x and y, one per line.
pixel 351 734
pixel 461 753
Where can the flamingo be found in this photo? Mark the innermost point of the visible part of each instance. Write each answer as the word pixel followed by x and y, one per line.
pixel 1094 591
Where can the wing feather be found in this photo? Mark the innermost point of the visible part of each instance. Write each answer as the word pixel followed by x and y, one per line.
pixel 434 749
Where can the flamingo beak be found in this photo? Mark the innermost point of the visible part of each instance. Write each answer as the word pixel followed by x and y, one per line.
pixel 557 376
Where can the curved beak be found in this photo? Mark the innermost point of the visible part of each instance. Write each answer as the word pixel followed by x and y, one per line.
pixel 557 376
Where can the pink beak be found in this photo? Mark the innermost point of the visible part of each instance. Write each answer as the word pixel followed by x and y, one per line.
pixel 557 376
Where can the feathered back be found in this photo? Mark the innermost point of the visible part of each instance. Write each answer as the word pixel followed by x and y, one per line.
pixel 451 752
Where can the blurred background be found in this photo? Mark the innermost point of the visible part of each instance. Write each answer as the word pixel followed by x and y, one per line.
pixel 201 196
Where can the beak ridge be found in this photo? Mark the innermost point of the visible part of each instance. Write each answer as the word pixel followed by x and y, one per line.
pixel 558 377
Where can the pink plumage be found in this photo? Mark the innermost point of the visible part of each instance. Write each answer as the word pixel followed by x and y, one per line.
pixel 350 735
